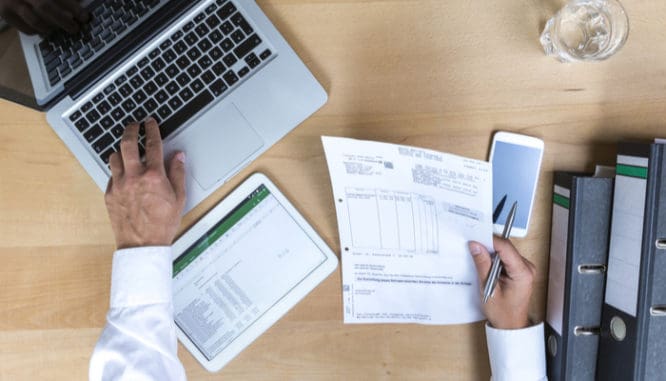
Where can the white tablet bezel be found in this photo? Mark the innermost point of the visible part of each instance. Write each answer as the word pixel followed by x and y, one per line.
pixel 525 141
pixel 278 310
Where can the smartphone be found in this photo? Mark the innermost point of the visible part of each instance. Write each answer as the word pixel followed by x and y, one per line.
pixel 516 161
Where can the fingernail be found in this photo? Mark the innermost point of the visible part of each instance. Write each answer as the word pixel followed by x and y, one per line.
pixel 475 249
pixel 150 119
pixel 180 156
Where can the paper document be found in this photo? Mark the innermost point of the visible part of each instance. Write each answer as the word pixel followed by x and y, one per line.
pixel 405 216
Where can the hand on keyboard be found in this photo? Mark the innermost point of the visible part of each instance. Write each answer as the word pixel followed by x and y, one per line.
pixel 144 199
pixel 43 16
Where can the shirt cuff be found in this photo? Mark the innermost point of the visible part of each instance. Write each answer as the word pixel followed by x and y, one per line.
pixel 517 354
pixel 141 276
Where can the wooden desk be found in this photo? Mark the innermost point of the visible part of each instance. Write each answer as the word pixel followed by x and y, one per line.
pixel 436 74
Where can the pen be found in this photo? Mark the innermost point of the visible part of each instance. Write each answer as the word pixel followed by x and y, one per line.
pixel 499 208
pixel 496 268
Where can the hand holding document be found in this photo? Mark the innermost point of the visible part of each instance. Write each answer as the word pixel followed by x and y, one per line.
pixel 405 216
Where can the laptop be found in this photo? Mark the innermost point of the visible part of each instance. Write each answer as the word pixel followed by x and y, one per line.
pixel 221 81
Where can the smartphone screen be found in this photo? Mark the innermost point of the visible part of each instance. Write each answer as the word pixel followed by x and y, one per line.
pixel 515 174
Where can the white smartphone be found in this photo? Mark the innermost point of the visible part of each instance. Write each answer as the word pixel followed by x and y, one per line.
pixel 516 161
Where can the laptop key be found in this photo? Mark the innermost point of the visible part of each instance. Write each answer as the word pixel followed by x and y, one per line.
pixel 183 79
pixel 129 105
pixel 238 36
pixel 154 53
pixel 204 45
pixel 205 62
pixel 161 96
pixel 169 55
pixel 191 39
pixel 117 113
pixel 120 80
pixel 194 54
pixel 93 116
pixel 98 98
pixel 247 46
pixel 140 114
pixel 93 133
pixel 136 81
pixel 150 88
pixel 166 44
pixel 147 73
pixel 87 107
pixel 176 36
pixel 216 54
pixel 218 87
pixel 188 26
pixel 150 105
pixel 230 60
pixel 240 22
pixel 200 17
pixel 215 36
pixel 75 116
pixel 194 71
pixel 227 45
pixel 139 96
pixel 208 77
pixel 106 155
pixel 161 79
pixel 202 30
pixel 183 62
pixel 109 89
pixel 265 54
pixel 196 86
pixel 172 70
pixel 103 107
pixel 230 77
pixel 227 10
pixel 186 94
pixel 219 68
pixel 103 143
pixel 106 122
pixel 118 131
pixel 168 126
pixel 164 113
pixel 244 71
pixel 212 21
pixel 82 125
pixel 172 87
pixel 158 64
pixel 226 28
pixel 125 90
pixel 175 102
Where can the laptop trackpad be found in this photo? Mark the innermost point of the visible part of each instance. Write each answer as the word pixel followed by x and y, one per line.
pixel 217 143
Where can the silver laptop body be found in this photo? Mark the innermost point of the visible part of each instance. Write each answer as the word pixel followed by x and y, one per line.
pixel 244 118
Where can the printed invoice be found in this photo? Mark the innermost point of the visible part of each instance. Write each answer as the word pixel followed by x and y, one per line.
pixel 405 216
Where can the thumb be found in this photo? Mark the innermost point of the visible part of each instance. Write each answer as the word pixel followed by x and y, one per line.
pixel 176 174
pixel 482 261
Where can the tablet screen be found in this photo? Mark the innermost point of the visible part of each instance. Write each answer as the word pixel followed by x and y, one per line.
pixel 238 270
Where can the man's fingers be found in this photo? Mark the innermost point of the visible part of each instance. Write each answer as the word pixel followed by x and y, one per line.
pixel 116 164
pixel 57 17
pixel 26 14
pixel 74 7
pixel 21 25
pixel 513 262
pixel 154 155
pixel 482 261
pixel 177 176
pixel 129 146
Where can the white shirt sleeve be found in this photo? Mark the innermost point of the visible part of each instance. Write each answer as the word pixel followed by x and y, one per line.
pixel 517 354
pixel 139 340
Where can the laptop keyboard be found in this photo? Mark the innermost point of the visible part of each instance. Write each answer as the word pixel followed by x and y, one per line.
pixel 63 54
pixel 192 68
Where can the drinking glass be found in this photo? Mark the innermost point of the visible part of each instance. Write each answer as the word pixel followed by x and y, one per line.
pixel 586 30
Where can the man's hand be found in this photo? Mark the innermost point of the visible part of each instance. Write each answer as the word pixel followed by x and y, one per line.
pixel 43 16
pixel 508 306
pixel 145 201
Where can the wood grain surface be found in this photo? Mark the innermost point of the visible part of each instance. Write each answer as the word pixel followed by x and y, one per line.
pixel 440 74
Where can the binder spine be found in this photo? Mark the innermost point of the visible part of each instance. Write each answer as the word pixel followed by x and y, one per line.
pixel 652 322
pixel 589 234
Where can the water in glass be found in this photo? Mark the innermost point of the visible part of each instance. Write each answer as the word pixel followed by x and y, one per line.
pixel 586 30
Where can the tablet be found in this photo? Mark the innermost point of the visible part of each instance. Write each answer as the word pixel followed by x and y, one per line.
pixel 241 268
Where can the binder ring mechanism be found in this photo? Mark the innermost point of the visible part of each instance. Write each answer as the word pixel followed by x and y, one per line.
pixel 586 331
pixel 591 269
pixel 658 311
pixel 661 244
